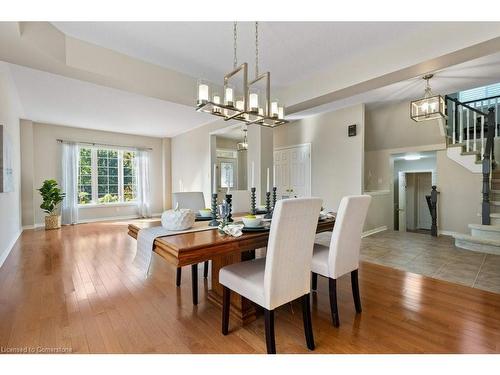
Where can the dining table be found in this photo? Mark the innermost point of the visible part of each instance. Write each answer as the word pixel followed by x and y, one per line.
pixel 191 248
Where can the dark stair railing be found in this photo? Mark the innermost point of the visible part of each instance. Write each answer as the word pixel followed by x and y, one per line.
pixel 488 164
pixel 432 204
pixel 488 128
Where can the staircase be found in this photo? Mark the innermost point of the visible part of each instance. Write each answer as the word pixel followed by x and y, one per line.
pixel 472 128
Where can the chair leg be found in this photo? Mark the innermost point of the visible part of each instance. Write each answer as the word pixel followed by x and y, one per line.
pixel 332 283
pixel 205 269
pixel 269 323
pixel 178 276
pixel 314 277
pixel 194 281
pixel 306 316
pixel 226 302
pixel 355 290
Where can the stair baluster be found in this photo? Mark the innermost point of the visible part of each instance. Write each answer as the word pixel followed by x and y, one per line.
pixel 467 144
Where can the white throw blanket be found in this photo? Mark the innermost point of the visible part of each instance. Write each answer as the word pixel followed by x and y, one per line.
pixel 146 238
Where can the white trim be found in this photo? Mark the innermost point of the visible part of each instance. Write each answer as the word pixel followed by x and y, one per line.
pixel 111 204
pixel 293 146
pixel 33 226
pixel 5 253
pixel 96 220
pixel 446 233
pixel 377 192
pixel 373 231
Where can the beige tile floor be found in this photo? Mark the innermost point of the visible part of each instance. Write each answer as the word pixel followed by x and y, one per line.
pixel 429 256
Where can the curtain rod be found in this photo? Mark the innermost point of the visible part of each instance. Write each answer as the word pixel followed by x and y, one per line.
pixel 104 144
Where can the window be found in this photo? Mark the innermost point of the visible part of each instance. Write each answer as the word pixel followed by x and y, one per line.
pixel 479 93
pixel 106 176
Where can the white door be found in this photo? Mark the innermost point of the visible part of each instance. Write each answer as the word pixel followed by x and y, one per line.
pixel 293 171
pixel 424 186
pixel 402 201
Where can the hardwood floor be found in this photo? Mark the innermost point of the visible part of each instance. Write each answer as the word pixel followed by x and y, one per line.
pixel 76 289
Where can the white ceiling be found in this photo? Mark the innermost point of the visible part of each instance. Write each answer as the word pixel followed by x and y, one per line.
pixel 292 51
pixel 60 100
pixel 474 73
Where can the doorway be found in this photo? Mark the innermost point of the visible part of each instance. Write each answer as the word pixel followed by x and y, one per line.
pixel 413 212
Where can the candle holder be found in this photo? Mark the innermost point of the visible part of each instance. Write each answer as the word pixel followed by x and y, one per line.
pixel 214 222
pixel 253 206
pixel 229 199
pixel 274 197
pixel 268 214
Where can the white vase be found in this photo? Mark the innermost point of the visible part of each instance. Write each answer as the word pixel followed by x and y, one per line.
pixel 178 219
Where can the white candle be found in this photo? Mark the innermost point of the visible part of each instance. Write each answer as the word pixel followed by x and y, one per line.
pixel 214 188
pixel 253 174
pixel 267 179
pixel 274 175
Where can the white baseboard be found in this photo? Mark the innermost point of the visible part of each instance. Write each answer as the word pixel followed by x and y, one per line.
pixel 373 231
pixel 5 253
pixel 95 220
pixel 446 233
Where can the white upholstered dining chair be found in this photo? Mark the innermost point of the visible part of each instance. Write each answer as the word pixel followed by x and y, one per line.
pixel 195 201
pixel 284 275
pixel 342 256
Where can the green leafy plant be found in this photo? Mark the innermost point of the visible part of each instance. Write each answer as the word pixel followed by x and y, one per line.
pixel 51 196
pixel 83 197
pixel 108 198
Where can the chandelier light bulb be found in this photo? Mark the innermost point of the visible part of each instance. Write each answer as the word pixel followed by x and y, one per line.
pixel 274 109
pixel 254 102
pixel 229 96
pixel 281 112
pixel 202 93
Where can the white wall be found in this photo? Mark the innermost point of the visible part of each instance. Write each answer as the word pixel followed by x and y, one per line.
pixel 337 160
pixel 45 163
pixel 389 131
pixel 10 205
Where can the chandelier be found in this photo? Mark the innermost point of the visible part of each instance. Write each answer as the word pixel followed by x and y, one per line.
pixel 243 145
pixel 247 105
pixel 430 107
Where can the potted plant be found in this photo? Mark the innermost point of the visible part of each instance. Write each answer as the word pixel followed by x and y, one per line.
pixel 51 197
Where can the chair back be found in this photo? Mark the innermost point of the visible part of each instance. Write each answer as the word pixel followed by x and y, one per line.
pixel 193 200
pixel 289 251
pixel 240 200
pixel 346 237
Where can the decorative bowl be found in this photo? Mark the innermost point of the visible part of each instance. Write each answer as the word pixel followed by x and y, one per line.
pixel 206 212
pixel 178 219
pixel 251 222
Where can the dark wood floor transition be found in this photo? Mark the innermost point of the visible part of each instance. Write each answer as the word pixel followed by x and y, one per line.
pixel 76 290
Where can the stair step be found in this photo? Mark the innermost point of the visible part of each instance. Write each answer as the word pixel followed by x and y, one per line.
pixel 473 243
pixel 495 180
pixel 495 203
pixel 470 153
pixel 488 228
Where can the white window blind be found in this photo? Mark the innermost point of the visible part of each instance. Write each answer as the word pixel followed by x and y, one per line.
pixel 479 93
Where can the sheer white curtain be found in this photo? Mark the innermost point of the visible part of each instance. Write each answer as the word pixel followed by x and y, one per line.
pixel 143 186
pixel 69 182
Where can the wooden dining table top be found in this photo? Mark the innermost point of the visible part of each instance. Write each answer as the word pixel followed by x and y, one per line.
pixel 195 247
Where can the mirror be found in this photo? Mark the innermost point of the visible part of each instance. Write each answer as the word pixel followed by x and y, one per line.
pixel 231 148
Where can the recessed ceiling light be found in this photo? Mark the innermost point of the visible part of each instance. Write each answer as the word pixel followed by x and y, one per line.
pixel 412 157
